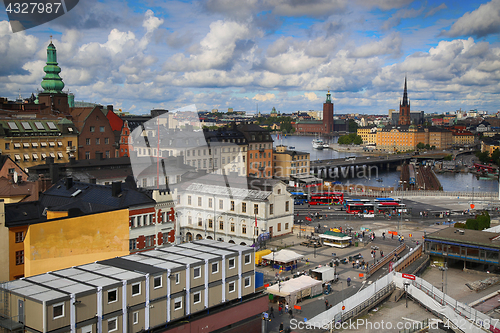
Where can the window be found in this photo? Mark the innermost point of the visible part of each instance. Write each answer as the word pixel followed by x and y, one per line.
pixel 248 281
pixel 20 257
pixel 221 204
pixel 232 205
pixel 7 146
pixel 209 202
pixel 189 200
pixel 132 245
pixel 135 317
pixel 279 191
pixel 215 267
pixel 221 225
pixel 92 128
pixel 112 295
pixel 197 297
pixel 97 141
pixel 177 278
pixel 177 303
pixel 287 206
pixel 200 221
pixel 199 201
pixel 106 141
pixel 232 227
pixel 87 155
pixel 256 209
pixel 101 129
pixel 113 324
pixel 271 209
pixel 286 226
pixel 210 223
pixel 58 310
pixel 232 287
pixel 197 272
pixel 243 229
pixel 231 263
pixel 248 259
pixel 243 207
pixel 19 236
pixel 279 226
pixel 136 289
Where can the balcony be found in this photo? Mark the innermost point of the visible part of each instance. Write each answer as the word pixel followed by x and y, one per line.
pixel 262 150
pixel 71 149
pixel 262 168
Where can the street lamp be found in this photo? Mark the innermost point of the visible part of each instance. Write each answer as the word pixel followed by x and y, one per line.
pixel 443 284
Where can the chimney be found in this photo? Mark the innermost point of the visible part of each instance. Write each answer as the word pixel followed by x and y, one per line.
pixel 69 183
pixel 116 188
pixel 54 172
pixel 180 161
pixel 110 108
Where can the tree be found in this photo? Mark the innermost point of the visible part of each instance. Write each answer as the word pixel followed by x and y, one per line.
pixel 420 145
pixel 353 126
pixel 480 222
pixel 484 157
pixel 349 139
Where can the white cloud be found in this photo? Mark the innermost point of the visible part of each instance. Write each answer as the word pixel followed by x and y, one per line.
pixel 388 45
pixel 384 4
pixel 264 97
pixel 481 22
pixel 15 49
pixel 434 10
pixel 311 96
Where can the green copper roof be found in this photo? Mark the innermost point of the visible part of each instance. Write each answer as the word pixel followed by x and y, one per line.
pixel 52 82
pixel 328 98
pixel 273 110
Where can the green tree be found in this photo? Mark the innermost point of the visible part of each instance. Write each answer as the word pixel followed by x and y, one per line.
pixel 448 158
pixel 420 145
pixel 484 157
pixel 349 139
pixel 353 126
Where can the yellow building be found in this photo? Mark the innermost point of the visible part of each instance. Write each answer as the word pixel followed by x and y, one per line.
pixel 368 134
pixel 440 138
pixel 489 147
pixel 288 163
pixel 29 142
pixel 400 138
pixel 463 138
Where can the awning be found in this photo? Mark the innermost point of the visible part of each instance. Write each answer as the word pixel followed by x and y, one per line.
pixel 35 156
pixel 283 256
pixel 26 145
pixel 60 155
pixel 59 144
pixel 52 144
pixel 26 156
pixel 34 144
pixel 18 157
pixel 44 156
pixel 17 145
pixel 43 144
pixel 52 155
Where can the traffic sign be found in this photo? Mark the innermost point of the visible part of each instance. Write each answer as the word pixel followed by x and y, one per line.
pixel 343 307
pixel 409 276
pixel 472 206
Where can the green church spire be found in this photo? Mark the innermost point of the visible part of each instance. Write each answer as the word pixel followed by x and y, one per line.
pixel 52 82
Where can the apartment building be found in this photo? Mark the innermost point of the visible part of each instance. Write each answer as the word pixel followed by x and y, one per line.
pixel 233 209
pixel 260 150
pixel 290 163
pixel 133 293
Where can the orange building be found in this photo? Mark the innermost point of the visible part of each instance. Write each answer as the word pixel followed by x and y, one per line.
pixel 400 138
pixel 260 150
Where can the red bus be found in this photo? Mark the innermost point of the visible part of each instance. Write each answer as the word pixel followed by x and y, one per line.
pixel 391 207
pixel 360 208
pixel 327 198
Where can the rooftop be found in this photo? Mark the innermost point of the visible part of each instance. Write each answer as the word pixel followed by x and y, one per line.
pixel 472 237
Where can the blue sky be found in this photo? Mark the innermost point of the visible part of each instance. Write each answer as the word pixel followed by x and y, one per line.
pixel 140 55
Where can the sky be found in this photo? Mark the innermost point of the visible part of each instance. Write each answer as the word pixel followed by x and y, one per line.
pixel 220 54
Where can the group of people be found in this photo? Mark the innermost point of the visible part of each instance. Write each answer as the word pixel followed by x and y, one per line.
pixel 282 308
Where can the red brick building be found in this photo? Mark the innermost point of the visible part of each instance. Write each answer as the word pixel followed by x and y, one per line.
pixel 404 109
pixel 325 126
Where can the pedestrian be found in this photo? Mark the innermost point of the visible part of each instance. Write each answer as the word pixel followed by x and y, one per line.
pixel 326 304
pixel 280 309
pixel 383 235
pixel 286 307
pixel 381 253
pixel 348 281
pixel 357 263
pixel 271 313
pixel 363 234
pixel 392 236
pixel 281 327
pixel 353 263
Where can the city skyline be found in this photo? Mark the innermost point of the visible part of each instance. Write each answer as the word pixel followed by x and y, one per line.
pixel 139 56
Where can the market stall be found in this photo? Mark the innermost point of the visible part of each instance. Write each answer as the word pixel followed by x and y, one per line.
pixel 335 239
pixel 283 260
pixel 296 289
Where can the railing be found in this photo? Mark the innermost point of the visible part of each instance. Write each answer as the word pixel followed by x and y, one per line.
pixel 370 302
pixel 408 258
pixel 375 267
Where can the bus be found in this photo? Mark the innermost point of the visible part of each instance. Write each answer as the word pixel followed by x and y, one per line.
pixel 299 198
pixel 382 200
pixel 353 201
pixel 327 198
pixel 360 208
pixel 390 207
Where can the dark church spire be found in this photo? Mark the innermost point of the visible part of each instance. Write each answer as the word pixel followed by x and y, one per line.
pixel 405 96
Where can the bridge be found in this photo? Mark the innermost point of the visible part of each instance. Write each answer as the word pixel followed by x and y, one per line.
pixel 368 166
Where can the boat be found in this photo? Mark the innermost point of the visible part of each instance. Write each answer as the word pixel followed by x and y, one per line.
pixel 318 144
pixel 379 180
pixel 291 147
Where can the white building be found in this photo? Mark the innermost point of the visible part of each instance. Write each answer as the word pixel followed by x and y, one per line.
pixel 226 208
